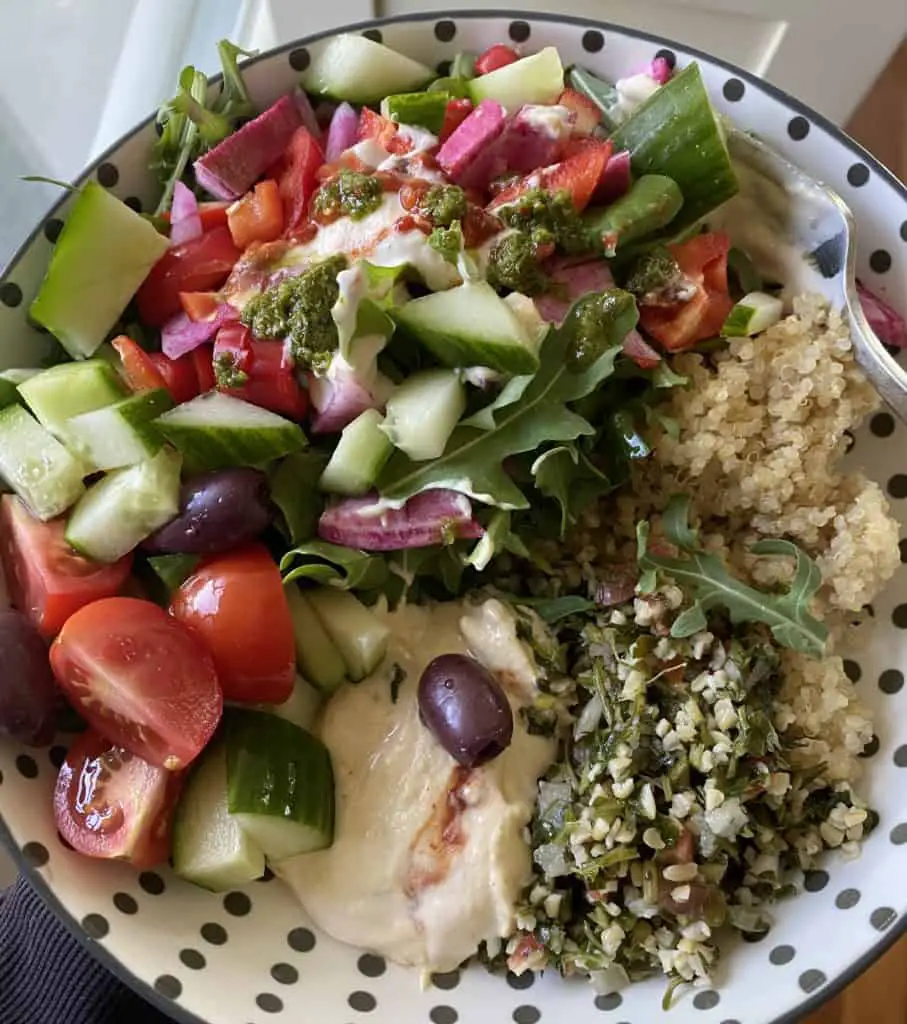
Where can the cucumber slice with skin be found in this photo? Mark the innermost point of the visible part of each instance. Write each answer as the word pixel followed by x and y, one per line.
pixel 317 655
pixel 360 636
pixel 103 254
pixel 123 508
pixel 280 784
pixel 423 411
pixel 535 79
pixel 470 325
pixel 210 847
pixel 753 314
pixel 70 389
pixel 121 434
pixel 359 457
pixel 215 431
pixel 676 132
pixel 359 70
pixel 36 466
pixel 301 708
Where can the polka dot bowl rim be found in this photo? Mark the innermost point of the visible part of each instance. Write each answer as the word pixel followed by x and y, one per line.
pixel 64 880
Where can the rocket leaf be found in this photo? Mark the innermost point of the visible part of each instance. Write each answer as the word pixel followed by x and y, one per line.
pixel 498 537
pixel 565 474
pixel 334 566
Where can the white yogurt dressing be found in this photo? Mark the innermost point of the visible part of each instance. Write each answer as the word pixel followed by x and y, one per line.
pixel 428 858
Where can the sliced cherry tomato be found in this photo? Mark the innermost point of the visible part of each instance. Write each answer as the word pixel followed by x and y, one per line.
pixel 112 804
pixel 198 265
pixel 586 114
pixel 203 361
pixel 298 177
pixel 455 113
pixel 258 216
pixel 200 305
pixel 137 365
pixel 179 375
pixel 495 57
pixel 270 381
pixel 212 214
pixel 140 678
pixel 236 605
pixel 577 175
pixel 704 257
pixel 46 579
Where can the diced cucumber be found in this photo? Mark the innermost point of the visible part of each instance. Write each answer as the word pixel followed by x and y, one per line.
pixel 123 508
pixel 70 389
pixel 360 636
pixel 317 655
pixel 676 132
pixel 36 466
pixel 173 570
pixel 9 393
pixel 20 375
pixel 602 93
pixel 280 784
pixel 301 707
pixel 470 325
pixel 753 314
pixel 535 79
pixel 359 457
pixel 359 70
pixel 210 848
pixel 121 434
pixel 103 254
pixel 215 431
pixel 422 109
pixel 423 411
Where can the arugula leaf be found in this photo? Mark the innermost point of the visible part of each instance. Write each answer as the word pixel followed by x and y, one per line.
pixel 294 490
pixel 445 564
pixel 566 474
pixel 473 461
pixel 334 565
pixel 707 579
pixel 664 377
pixel 553 609
pixel 497 538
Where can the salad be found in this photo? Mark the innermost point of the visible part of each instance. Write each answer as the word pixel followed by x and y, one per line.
pixel 432 501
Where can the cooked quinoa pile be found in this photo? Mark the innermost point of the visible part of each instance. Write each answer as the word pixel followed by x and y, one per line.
pixel 703 775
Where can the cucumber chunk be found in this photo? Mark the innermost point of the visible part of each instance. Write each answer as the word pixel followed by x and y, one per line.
pixel 423 411
pixel 359 70
pixel 470 325
pixel 280 784
pixel 301 707
pixel 753 314
pixel 122 509
pixel 36 466
pixel 103 254
pixel 316 653
pixel 359 457
pixel 360 637
pixel 535 79
pixel 210 847
pixel 121 434
pixel 215 431
pixel 70 389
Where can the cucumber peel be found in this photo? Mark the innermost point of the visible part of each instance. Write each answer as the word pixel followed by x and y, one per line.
pixel 753 314
pixel 361 71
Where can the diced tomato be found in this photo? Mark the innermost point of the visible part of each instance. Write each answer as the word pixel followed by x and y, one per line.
pixel 455 114
pixel 46 579
pixel 140 678
pixel 198 265
pixel 112 804
pixel 270 379
pixel 179 376
pixel 200 305
pixel 578 175
pixel 235 604
pixel 384 131
pixel 478 226
pixel 703 259
pixel 297 180
pixel 495 57
pixel 212 214
pixel 586 113
pixel 137 365
pixel 203 362
pixel 258 216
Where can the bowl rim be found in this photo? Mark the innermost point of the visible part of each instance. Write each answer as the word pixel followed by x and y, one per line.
pixel 172 1008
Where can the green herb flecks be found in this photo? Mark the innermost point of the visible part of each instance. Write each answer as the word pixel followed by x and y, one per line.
pixel 349 193
pixel 596 323
pixel 227 372
pixel 513 263
pixel 443 204
pixel 549 219
pixel 448 241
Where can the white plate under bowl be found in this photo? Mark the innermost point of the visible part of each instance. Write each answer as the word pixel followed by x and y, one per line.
pixel 252 957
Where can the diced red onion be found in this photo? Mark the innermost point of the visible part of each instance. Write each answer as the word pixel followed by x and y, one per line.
pixel 306 113
pixel 338 399
pixel 185 220
pixel 572 279
pixel 888 324
pixel 660 70
pixel 433 517
pixel 640 351
pixel 342 132
pixel 181 335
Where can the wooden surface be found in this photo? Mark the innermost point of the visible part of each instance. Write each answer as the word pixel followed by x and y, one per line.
pixel 880 124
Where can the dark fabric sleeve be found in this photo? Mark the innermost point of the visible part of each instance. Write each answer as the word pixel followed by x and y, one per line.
pixel 46 977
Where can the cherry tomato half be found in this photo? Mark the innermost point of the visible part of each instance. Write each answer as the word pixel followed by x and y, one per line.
pixel 112 804
pixel 140 678
pixel 495 57
pixel 47 580
pixel 236 605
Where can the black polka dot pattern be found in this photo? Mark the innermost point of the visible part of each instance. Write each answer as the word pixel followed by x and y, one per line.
pixel 125 903
pixel 371 966
pixel 192 959
pixel 880 261
pixel 52 228
pixel 882 918
pixel 445 31
pixel 519 31
pixel 904 231
pixel 815 881
pixel 811 980
pixel 521 982
pixel 900 757
pixel 152 883
pixel 95 926
pixel 27 766
pixel 134 203
pixel 443 1015
pixel 734 90
pixel 668 55
pixel 611 1001
pixel 798 128
pixel 857 175
pixel 269 1003
pixel 902 547
pixel 214 933
pixel 108 175
pixel 301 940
pixel 882 424
pixel 35 855
pixel 593 41
pixel 847 899
pixel 852 670
pixel 526 1015
pixel 362 1002
pixel 268 876
pixel 168 986
pixel 10 294
pixel 898 834
pixel 56 756
pixel 300 59
pixel 237 904
pixel 782 955
pixel 706 1000
pixel 871 748
pixel 899 616
pixel 891 681
pixel 446 981
pixel 285 974
pixel 374 34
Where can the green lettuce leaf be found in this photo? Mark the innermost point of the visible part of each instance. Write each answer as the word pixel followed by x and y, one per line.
pixel 334 566
pixel 294 490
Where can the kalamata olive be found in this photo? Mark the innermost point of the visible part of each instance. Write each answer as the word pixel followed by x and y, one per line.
pixel 462 703
pixel 218 512
pixel 28 695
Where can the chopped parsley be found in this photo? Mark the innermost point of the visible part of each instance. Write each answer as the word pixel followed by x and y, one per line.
pixel 227 373
pixel 349 193
pixel 513 263
pixel 448 241
pixel 548 218
pixel 443 204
